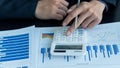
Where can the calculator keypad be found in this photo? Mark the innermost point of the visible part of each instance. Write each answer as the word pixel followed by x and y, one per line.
pixel 77 36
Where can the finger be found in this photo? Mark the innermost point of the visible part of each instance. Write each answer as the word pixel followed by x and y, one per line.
pixel 94 23
pixel 72 8
pixel 61 12
pixel 63 7
pixel 72 15
pixel 64 2
pixel 70 30
pixel 83 17
pixel 75 12
pixel 58 17
pixel 87 21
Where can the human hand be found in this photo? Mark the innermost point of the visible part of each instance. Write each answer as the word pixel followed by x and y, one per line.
pixel 90 14
pixel 51 9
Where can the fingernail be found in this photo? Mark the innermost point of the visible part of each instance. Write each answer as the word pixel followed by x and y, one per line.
pixel 69 11
pixel 68 33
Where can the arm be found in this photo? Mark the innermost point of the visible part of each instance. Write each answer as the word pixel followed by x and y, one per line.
pixel 41 9
pixel 17 8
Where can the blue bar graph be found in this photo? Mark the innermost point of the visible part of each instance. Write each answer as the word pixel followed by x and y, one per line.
pixel 102 50
pixel 95 48
pixel 24 67
pixel 67 58
pixel 43 51
pixel 89 52
pixel 14 47
pixel 115 49
pixel 46 51
pixel 92 51
pixel 109 50
pixel 49 55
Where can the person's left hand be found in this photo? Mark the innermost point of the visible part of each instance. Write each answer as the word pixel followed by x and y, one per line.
pixel 90 14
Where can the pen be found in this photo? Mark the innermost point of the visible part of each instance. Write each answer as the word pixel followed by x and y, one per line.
pixel 76 18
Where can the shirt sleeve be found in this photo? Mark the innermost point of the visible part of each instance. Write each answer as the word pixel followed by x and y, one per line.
pixel 17 9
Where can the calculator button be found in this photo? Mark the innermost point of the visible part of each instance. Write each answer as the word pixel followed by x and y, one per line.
pixel 76 36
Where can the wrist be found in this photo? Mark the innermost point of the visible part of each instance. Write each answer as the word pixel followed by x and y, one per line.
pixel 100 4
pixel 106 5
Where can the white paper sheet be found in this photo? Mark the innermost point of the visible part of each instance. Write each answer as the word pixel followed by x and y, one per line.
pixel 30 48
pixel 15 47
pixel 107 34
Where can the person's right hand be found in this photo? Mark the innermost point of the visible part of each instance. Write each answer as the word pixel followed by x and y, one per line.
pixel 51 9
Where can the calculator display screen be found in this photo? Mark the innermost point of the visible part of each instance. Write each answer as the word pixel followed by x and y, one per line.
pixel 78 47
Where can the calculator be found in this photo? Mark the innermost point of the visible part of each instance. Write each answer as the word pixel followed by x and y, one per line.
pixel 69 45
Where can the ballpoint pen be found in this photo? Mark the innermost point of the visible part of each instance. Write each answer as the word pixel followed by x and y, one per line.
pixel 76 18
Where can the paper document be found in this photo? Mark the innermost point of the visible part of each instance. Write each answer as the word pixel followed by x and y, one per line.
pixel 30 48
pixel 102 49
pixel 15 48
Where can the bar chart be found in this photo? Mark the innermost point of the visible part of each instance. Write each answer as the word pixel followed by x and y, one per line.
pixel 14 47
pixel 102 49
pixel 105 50
pixel 95 54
